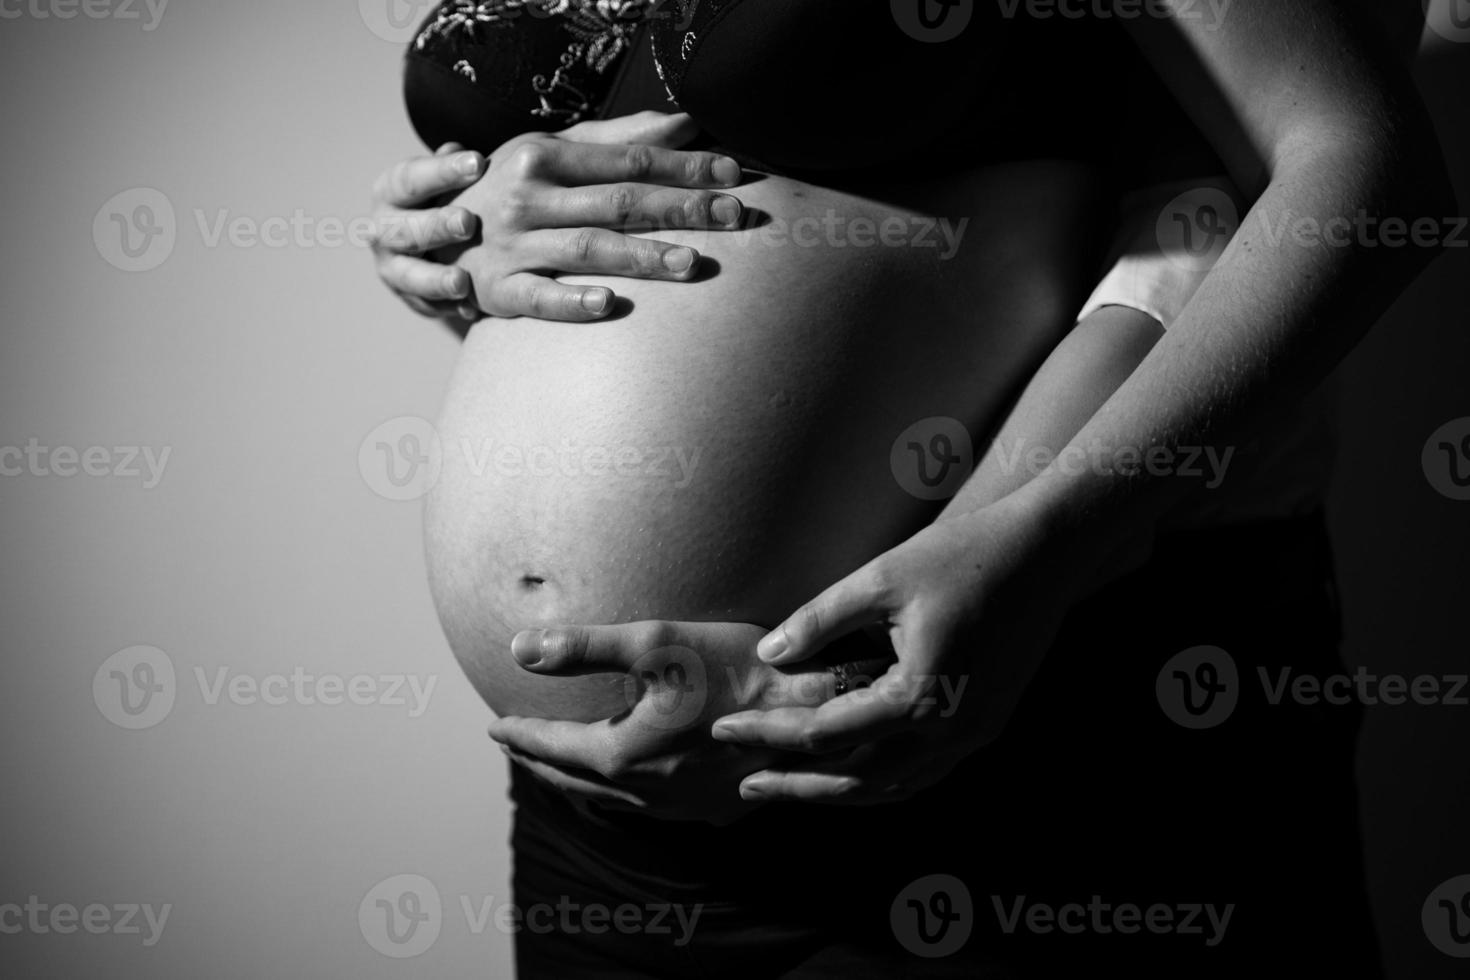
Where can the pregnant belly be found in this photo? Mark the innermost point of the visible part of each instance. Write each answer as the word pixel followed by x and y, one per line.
pixel 724 449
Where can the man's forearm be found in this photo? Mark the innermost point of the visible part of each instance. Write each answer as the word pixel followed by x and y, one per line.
pixel 1272 319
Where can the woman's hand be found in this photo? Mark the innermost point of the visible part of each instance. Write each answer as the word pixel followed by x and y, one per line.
pixel 657 757
pixel 407 226
pixel 543 205
pixel 970 604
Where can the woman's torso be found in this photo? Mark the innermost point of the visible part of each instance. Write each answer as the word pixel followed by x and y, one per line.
pixel 726 448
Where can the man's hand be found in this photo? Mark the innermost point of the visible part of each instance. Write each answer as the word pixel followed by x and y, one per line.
pixel 971 604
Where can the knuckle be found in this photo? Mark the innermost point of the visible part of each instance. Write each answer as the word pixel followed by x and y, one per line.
pixel 385 231
pixel 638 162
pixel 562 646
pixel 405 182
pixel 381 186
pixel 455 222
pixel 653 634
pixel 698 167
pixel 806 621
pixel 388 270
pixel 810 738
pixel 617 765
pixel 483 281
pixel 620 202
pixel 648 257
pixel 529 159
pixel 582 246
pixel 534 300
pixel 694 209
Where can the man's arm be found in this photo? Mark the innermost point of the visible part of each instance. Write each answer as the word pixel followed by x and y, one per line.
pixel 1345 164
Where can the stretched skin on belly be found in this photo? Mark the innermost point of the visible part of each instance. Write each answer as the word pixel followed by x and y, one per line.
pixel 721 450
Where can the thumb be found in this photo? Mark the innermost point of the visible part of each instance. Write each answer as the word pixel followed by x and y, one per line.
pixel 649 128
pixel 575 650
pixel 853 602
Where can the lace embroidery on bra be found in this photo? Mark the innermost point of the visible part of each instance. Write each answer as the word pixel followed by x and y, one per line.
pixel 676 37
pixel 601 31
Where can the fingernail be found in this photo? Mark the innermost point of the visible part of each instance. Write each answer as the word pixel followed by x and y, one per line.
pixel 725 210
pixel 726 171
pixel 467 164
pixel 454 285
pixel 595 300
pixel 754 791
pixel 469 313
pixel 526 647
pixel 724 730
pixel 459 224
pixel 678 259
pixel 772 645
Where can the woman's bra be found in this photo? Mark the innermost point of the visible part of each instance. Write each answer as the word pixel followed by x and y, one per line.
pixel 804 86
